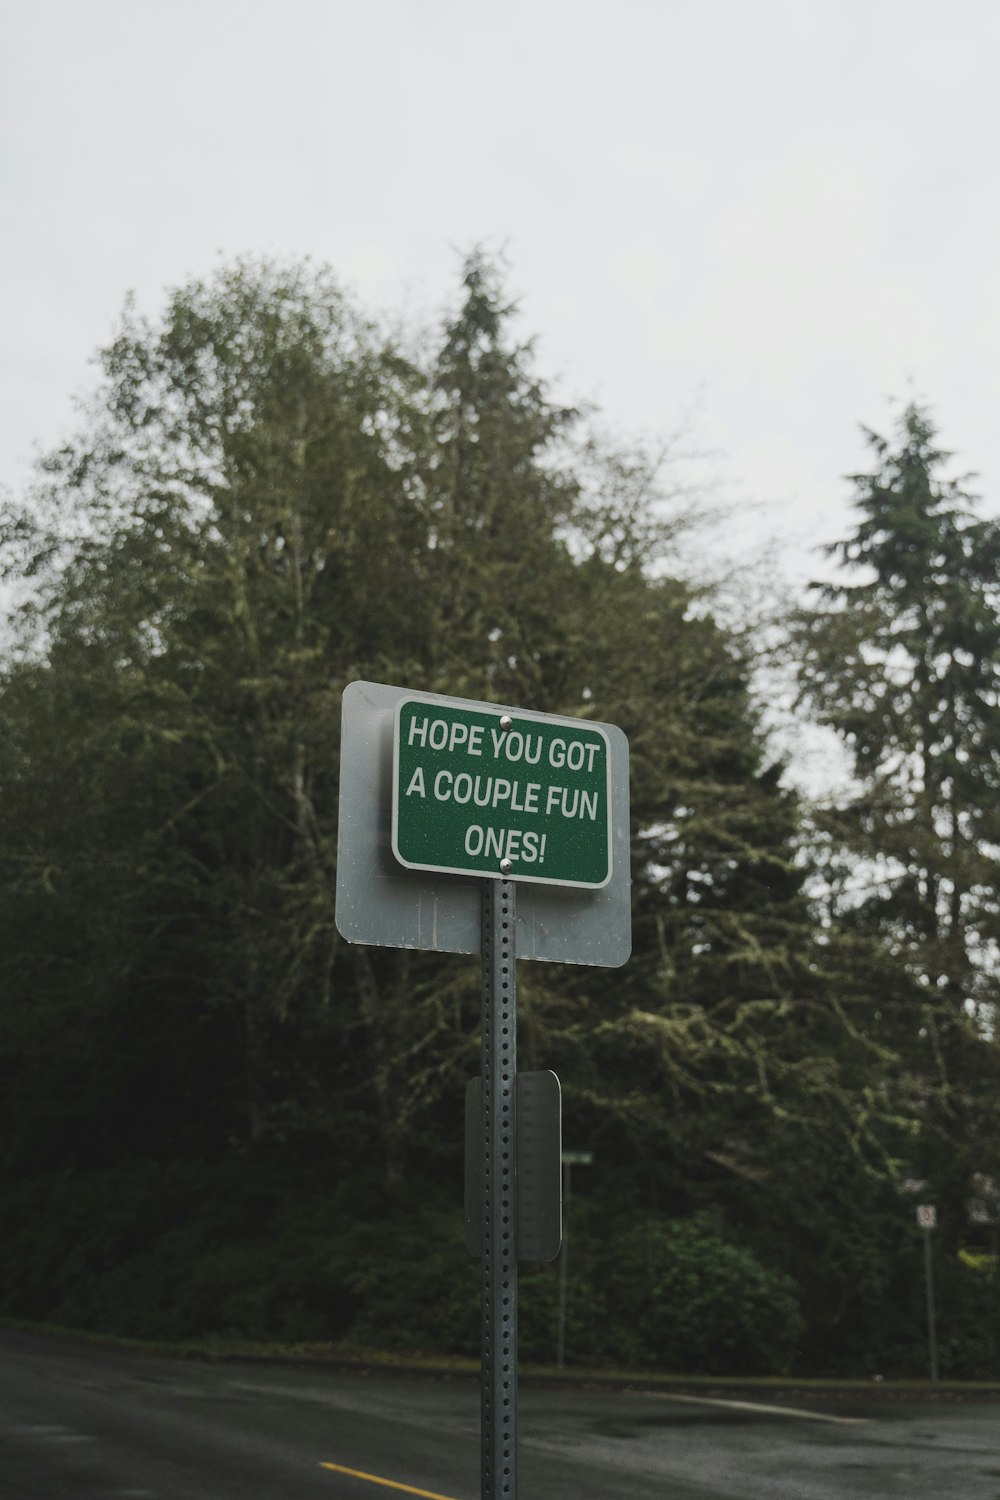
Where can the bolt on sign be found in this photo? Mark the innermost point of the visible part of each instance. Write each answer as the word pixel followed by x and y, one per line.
pixel 482 792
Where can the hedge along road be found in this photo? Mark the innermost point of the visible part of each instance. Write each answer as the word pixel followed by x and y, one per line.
pixel 79 1422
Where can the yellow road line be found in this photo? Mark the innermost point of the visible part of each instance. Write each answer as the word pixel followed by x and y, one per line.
pixel 389 1484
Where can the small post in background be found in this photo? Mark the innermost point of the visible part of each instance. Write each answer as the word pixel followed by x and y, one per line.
pixel 570 1159
pixel 927 1219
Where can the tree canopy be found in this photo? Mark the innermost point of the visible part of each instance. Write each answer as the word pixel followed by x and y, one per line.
pixel 272 497
pixel 901 657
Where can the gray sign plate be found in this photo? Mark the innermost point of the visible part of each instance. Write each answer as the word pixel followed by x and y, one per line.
pixel 381 903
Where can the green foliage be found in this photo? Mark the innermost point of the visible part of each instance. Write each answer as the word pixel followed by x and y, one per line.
pixel 416 1286
pixel 902 659
pixel 697 1303
pixel 675 1296
pixel 161 1252
pixel 271 498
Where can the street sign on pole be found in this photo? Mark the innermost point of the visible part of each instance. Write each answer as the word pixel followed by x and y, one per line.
pixel 388 904
pixel 447 806
pixel 479 791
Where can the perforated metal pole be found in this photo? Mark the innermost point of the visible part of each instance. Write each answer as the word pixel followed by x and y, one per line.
pixel 931 1321
pixel 499 1264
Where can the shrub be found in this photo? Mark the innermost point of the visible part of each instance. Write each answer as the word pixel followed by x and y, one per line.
pixel 694 1302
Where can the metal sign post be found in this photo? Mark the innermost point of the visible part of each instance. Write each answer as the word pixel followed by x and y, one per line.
pixel 927 1219
pixel 570 1159
pixel 499 1264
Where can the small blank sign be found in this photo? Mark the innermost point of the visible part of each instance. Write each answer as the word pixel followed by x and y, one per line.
pixel 538 1163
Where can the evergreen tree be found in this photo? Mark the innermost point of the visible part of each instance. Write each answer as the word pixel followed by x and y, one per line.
pixel 902 659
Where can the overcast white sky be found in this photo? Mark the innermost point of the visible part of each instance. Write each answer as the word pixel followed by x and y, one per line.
pixel 780 213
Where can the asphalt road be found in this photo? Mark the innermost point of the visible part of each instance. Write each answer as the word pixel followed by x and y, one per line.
pixel 81 1423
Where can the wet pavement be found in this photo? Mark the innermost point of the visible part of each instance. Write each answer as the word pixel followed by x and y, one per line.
pixel 78 1422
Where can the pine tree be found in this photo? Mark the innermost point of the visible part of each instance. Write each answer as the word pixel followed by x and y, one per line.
pixel 902 659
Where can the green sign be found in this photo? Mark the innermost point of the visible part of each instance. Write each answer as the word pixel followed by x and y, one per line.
pixel 480 791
